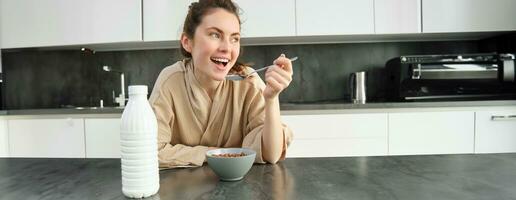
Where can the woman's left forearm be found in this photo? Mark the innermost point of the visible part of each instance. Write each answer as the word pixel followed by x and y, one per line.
pixel 272 137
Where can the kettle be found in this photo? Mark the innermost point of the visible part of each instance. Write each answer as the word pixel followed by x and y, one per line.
pixel 357 87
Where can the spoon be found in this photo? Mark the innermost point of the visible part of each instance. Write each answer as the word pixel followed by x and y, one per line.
pixel 238 77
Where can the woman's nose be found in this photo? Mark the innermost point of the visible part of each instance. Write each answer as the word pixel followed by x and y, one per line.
pixel 224 45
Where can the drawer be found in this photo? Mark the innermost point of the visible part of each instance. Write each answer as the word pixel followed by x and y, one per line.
pixel 450 132
pixel 330 126
pixel 495 131
pixel 338 147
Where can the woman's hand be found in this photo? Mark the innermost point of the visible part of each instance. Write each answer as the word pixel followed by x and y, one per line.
pixel 278 77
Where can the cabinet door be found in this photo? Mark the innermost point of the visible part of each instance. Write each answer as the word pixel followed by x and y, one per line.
pixel 397 16
pixel 431 133
pixel 468 15
pixel 337 135
pixel 495 131
pixel 267 18
pixel 59 138
pixel 163 19
pixel 334 17
pixel 4 139
pixel 36 23
pixel 102 137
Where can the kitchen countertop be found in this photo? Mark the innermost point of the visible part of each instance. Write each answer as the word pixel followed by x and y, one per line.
pixel 293 108
pixel 384 105
pixel 480 176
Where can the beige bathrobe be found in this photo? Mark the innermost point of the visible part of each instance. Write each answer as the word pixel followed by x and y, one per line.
pixel 189 121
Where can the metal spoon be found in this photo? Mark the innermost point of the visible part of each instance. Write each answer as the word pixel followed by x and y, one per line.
pixel 238 77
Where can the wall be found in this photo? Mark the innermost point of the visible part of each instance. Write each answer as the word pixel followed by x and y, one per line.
pixel 52 79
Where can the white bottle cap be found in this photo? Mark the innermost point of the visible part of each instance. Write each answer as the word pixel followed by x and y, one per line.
pixel 137 89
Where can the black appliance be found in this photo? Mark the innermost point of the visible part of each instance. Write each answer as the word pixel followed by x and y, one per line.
pixel 451 77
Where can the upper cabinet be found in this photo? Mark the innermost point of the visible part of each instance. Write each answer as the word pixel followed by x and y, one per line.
pixel 163 19
pixel 267 18
pixel 334 17
pixel 468 15
pixel 35 23
pixel 100 23
pixel 397 16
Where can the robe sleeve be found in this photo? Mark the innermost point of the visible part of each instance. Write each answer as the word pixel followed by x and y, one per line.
pixel 171 156
pixel 255 122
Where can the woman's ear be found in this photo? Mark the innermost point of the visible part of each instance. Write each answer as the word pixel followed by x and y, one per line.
pixel 186 43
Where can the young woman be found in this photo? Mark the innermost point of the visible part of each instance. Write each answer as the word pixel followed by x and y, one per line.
pixel 198 109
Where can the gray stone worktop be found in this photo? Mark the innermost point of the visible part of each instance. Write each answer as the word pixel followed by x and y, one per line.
pixel 484 176
pixel 292 107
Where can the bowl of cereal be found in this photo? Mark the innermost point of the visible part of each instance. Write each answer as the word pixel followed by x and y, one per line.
pixel 230 164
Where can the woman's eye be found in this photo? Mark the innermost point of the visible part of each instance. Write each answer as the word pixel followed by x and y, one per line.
pixel 215 35
pixel 235 39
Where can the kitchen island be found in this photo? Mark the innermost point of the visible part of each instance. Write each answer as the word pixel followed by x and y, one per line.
pixel 485 176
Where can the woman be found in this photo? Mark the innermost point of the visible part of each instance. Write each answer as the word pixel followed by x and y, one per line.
pixel 197 109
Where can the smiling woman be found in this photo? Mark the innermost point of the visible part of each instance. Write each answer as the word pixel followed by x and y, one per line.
pixel 198 109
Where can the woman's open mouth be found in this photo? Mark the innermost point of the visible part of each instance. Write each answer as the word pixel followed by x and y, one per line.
pixel 221 62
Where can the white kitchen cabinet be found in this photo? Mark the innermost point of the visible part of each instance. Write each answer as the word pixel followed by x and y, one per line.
pixel 468 15
pixel 267 18
pixel 330 135
pixel 163 19
pixel 4 139
pixel 397 16
pixel 102 137
pixel 36 23
pixel 495 131
pixel 334 17
pixel 431 133
pixel 59 138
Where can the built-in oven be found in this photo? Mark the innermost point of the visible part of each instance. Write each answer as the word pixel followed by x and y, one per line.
pixel 451 77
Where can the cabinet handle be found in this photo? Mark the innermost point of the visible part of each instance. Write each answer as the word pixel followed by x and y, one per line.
pixel 503 117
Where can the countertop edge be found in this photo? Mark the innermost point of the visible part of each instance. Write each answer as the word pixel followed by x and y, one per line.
pixel 300 109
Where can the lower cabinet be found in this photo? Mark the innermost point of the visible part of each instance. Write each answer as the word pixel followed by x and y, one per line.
pixel 53 138
pixel 4 139
pixel 315 135
pixel 102 137
pixel 332 135
pixel 431 133
pixel 495 131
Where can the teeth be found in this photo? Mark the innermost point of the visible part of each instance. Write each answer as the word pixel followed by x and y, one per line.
pixel 221 60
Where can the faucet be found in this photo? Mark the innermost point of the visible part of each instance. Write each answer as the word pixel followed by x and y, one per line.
pixel 121 98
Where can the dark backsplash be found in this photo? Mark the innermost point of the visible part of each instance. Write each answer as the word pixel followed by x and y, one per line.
pixel 53 79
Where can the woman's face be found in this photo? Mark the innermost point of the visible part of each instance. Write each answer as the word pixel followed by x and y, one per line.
pixel 216 44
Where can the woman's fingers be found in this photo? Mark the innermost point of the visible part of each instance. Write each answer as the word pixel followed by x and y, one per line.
pixel 274 84
pixel 278 76
pixel 286 75
pixel 277 80
pixel 284 63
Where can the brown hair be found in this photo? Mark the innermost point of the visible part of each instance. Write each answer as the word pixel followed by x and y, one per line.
pixel 196 11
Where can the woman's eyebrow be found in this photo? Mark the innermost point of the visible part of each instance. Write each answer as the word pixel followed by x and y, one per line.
pixel 220 31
